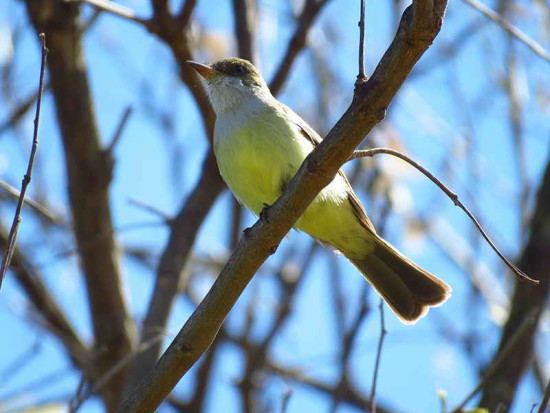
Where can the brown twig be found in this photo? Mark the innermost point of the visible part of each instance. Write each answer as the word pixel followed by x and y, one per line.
pixel 362 32
pixel 450 194
pixel 545 399
pixel 151 209
pixel 187 8
pixel 286 400
pixel 12 238
pixel 350 395
pixel 113 8
pixel 510 28
pixel 244 28
pixel 38 207
pixel 309 13
pixel 383 332
pixel 17 113
pixel 120 128
pixel 510 348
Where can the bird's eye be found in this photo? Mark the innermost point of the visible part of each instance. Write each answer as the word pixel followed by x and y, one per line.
pixel 240 69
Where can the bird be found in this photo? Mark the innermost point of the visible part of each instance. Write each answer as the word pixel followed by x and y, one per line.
pixel 259 145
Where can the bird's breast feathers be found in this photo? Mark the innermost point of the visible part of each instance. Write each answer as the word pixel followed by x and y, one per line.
pixel 258 154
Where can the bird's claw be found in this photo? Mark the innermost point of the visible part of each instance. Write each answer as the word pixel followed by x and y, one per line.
pixel 264 213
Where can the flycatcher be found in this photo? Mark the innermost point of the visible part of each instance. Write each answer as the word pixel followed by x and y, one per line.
pixel 260 144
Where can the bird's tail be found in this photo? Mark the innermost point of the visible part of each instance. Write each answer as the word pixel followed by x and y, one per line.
pixel 407 289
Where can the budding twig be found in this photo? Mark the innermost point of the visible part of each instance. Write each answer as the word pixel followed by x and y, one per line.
pixel 10 246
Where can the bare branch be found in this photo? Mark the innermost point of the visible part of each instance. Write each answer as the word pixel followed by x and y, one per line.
pixel 454 197
pixel 17 114
pixel 244 26
pixel 309 14
pixel 12 238
pixel 187 8
pixel 511 346
pixel 160 8
pixel 39 208
pixel 151 209
pixel 350 396
pixel 544 403
pixel 511 29
pixel 120 128
pixel 362 32
pixel 367 109
pixel 383 333
pixel 526 299
pixel 113 8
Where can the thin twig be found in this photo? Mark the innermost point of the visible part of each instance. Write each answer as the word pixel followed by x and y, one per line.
pixel 120 128
pixel 508 349
pixel 286 400
pixel 383 333
pixel 545 399
pixel 113 8
pixel 510 28
pixel 361 75
pixel 187 8
pixel 10 247
pixel 150 208
pixel 454 197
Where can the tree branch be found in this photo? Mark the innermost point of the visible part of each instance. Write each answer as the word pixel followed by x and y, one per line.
pixel 511 29
pixel 535 260
pixel 545 399
pixel 366 110
pixel 383 333
pixel 309 14
pixel 454 197
pixel 12 237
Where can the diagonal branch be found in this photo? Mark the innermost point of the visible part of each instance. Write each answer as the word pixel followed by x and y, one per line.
pixel 511 29
pixel 367 109
pixel 309 14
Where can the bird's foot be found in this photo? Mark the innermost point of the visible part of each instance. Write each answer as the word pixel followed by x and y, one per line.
pixel 264 213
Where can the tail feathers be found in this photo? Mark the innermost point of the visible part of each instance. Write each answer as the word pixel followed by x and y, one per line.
pixel 407 289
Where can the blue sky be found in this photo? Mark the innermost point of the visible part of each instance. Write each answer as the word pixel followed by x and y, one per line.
pixel 129 67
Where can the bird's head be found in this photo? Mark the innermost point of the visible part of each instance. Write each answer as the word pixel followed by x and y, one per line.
pixel 231 82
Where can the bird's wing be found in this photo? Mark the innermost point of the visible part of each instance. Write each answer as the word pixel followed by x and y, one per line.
pixel 313 137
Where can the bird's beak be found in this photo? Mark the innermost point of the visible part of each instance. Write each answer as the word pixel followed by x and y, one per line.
pixel 205 71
